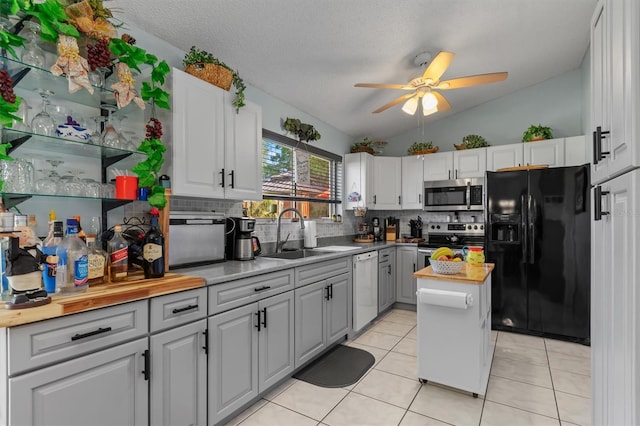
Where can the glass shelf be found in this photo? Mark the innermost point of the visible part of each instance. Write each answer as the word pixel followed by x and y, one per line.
pixel 57 145
pixel 35 78
pixel 12 199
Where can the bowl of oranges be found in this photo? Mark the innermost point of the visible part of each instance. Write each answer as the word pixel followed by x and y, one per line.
pixel 445 261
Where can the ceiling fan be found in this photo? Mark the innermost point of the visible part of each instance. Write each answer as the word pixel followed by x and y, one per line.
pixel 425 87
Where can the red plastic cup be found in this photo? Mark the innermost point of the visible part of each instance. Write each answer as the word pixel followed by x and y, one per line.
pixel 127 187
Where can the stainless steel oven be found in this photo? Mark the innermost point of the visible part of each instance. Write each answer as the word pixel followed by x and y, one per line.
pixel 453 235
pixel 454 195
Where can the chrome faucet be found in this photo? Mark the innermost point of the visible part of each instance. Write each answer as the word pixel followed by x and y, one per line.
pixel 280 245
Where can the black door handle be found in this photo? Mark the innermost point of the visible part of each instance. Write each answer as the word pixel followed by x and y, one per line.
pixel 91 333
pixel 599 153
pixel 232 178
pixel 597 203
pixel 206 341
pixel 147 364
pixel 186 308
pixel 326 296
pixel 330 291
pixel 258 325
pixel 264 320
pixel 222 183
pixel 263 288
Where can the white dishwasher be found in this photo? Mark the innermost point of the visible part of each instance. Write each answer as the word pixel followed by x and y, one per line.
pixel 365 289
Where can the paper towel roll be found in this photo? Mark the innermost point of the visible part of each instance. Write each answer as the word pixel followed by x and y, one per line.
pixel 310 234
pixel 450 299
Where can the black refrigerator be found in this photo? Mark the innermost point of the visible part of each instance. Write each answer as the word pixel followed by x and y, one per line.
pixel 539 237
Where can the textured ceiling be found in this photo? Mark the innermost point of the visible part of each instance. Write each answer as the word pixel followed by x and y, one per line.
pixel 310 53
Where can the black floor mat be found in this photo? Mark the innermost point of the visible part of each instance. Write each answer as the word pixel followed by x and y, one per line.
pixel 341 366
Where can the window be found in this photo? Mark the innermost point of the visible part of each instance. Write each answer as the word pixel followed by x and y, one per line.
pixel 295 174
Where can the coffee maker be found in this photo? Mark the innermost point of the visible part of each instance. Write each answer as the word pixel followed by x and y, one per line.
pixel 240 243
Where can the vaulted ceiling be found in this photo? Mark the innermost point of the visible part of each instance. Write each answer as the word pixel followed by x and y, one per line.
pixel 310 53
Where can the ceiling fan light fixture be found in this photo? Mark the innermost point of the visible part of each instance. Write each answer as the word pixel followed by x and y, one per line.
pixel 426 112
pixel 429 102
pixel 411 106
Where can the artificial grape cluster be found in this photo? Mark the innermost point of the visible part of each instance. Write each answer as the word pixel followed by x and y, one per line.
pixel 154 129
pixel 6 87
pixel 128 39
pixel 99 55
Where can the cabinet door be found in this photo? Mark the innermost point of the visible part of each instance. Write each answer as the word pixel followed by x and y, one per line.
pixel 575 151
pixel 358 176
pixel 438 166
pixel 615 301
pixel 107 387
pixel 243 151
pixel 502 156
pixel 233 360
pixel 309 323
pixel 275 340
pixel 178 390
pixel 407 257
pixel 198 137
pixel 549 152
pixel 412 182
pixel 337 315
pixel 469 163
pixel 387 183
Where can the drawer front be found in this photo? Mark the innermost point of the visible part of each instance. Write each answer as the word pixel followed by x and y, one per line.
pixel 384 255
pixel 176 309
pixel 230 295
pixel 322 270
pixel 45 342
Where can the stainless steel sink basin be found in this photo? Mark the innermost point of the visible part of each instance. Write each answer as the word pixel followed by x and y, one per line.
pixel 295 254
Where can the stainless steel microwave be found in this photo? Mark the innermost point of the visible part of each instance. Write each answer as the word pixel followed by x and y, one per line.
pixel 454 195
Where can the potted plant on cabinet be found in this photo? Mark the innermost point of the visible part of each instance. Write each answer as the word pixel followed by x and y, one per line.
pixel 537 133
pixel 472 141
pixel 365 145
pixel 205 66
pixel 419 148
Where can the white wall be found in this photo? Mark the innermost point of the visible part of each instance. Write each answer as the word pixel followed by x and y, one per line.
pixel 557 103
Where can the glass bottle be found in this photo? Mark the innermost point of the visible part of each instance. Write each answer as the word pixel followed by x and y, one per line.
pixel 97 262
pixel 73 266
pixel 118 253
pixel 153 249
pixel 81 233
pixel 49 247
pixel 32 53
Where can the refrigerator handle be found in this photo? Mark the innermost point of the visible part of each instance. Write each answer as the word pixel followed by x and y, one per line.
pixel 532 230
pixel 523 227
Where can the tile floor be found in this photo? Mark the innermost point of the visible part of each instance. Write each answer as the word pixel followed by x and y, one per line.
pixel 534 381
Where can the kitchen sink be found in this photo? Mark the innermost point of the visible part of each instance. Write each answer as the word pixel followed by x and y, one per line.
pixel 295 254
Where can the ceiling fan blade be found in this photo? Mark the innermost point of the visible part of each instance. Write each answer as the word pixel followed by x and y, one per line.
pixel 394 102
pixel 472 80
pixel 385 86
pixel 438 66
pixel 443 103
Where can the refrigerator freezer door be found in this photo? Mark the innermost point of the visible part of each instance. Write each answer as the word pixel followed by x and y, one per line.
pixel 505 246
pixel 558 265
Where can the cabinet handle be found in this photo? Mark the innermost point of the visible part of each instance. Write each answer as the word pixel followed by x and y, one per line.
pixel 326 296
pixel 264 320
pixel 419 198
pixel 414 267
pixel 374 199
pixel 222 178
pixel 597 203
pixel 91 333
pixel 389 269
pixel 330 291
pixel 263 288
pixel 206 341
pixel 598 153
pixel 147 364
pixel 232 178
pixel 399 199
pixel 449 174
pixel 186 308
pixel 258 325
pixel 456 173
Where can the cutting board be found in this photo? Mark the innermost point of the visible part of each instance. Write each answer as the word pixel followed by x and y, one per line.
pixel 531 167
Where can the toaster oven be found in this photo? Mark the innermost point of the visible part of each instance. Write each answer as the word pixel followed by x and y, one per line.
pixel 195 238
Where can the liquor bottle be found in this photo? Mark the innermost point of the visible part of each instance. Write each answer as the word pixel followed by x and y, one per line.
pixel 118 252
pixel 73 266
pixel 97 262
pixel 153 249
pixel 49 246
pixel 81 233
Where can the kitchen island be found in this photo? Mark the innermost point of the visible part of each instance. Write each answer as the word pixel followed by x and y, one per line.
pixel 454 327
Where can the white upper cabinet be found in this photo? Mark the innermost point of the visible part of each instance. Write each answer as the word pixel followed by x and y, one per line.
pixel 358 180
pixel 501 156
pixel 216 151
pixel 469 163
pixel 575 151
pixel 550 152
pixel 438 166
pixel 615 92
pixel 387 185
pixel 412 182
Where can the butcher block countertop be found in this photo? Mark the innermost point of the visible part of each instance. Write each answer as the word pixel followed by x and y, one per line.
pixel 100 296
pixel 468 274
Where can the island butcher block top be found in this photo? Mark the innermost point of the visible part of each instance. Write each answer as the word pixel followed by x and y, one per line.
pixel 468 274
pixel 100 296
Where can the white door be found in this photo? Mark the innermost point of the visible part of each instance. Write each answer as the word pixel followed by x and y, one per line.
pixel 198 137
pixel 438 166
pixel 412 182
pixel 600 75
pixel 275 339
pixel 501 156
pixel 575 151
pixel 387 186
pixel 550 152
pixel 470 163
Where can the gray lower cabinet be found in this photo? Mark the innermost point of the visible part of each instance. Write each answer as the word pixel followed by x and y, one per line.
pixel 406 284
pixel 386 278
pixel 250 348
pixel 178 391
pixel 106 387
pixel 322 316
